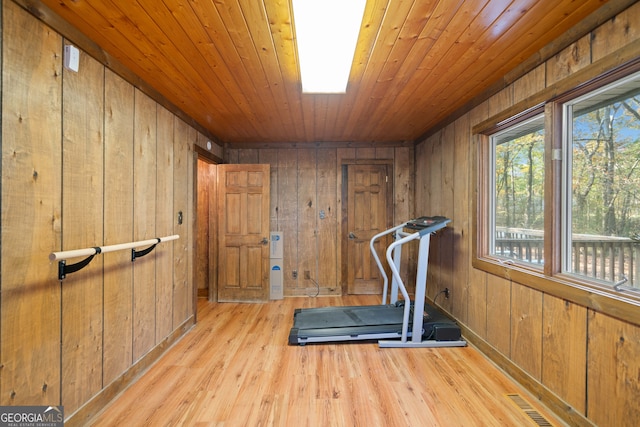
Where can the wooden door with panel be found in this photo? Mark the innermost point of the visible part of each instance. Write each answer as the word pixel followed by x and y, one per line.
pixel 243 238
pixel 367 215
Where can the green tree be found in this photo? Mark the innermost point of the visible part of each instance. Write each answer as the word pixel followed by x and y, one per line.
pixel 606 149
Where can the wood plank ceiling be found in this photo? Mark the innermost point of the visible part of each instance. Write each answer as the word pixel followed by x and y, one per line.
pixel 231 64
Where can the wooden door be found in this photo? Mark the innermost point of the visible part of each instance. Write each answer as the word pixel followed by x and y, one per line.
pixel 243 239
pixel 366 217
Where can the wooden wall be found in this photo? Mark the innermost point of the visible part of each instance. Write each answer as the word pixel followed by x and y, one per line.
pixel 585 363
pixel 305 181
pixel 87 160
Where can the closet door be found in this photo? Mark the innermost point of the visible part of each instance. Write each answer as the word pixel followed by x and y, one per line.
pixel 367 216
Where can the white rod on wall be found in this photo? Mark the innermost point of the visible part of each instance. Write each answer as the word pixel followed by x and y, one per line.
pixel 56 256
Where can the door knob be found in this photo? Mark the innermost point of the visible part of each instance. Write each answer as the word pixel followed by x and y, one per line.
pixel 352 236
pixel 264 241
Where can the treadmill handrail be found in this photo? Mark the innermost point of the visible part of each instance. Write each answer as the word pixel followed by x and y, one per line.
pixel 420 234
pixel 396 275
pixel 385 279
pixel 400 233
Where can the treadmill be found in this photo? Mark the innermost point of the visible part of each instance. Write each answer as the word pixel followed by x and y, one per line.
pixel 393 324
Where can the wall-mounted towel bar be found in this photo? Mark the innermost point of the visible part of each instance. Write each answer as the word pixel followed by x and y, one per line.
pixel 64 269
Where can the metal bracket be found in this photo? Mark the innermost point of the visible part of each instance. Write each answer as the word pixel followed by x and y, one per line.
pixel 64 269
pixel 139 254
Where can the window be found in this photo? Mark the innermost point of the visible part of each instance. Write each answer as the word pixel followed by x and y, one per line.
pixel 558 199
pixel 517 192
pixel 601 184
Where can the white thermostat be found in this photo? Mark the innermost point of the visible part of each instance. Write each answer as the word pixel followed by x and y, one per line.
pixel 71 58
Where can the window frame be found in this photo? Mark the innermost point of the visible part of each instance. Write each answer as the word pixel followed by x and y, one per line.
pixel 567 111
pixel 550 279
pixel 530 116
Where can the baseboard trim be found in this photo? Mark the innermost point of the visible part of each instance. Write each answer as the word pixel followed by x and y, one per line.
pixel 544 395
pixel 99 402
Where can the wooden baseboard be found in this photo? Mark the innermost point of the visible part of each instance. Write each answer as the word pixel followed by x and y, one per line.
pixel 562 409
pixel 94 406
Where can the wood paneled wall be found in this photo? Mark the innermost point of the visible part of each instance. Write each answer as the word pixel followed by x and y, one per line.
pixel 87 160
pixel 305 181
pixel 587 359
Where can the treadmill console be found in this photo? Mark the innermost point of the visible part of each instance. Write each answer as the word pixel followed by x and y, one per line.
pixel 428 224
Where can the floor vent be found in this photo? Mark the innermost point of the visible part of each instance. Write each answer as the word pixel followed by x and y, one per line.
pixel 535 416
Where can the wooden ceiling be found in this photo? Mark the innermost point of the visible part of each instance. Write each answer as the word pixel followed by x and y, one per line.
pixel 231 64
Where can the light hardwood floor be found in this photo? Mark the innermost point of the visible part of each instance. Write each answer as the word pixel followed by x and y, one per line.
pixel 235 368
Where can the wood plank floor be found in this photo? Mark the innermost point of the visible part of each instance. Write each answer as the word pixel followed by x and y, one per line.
pixel 235 368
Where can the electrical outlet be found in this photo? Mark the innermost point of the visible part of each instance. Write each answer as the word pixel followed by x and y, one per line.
pixel 307 274
pixel 294 274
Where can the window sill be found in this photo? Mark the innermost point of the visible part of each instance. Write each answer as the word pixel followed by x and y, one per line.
pixel 623 305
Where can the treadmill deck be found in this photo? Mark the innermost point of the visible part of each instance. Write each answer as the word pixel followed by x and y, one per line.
pixel 346 323
pixel 343 317
pixel 374 322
